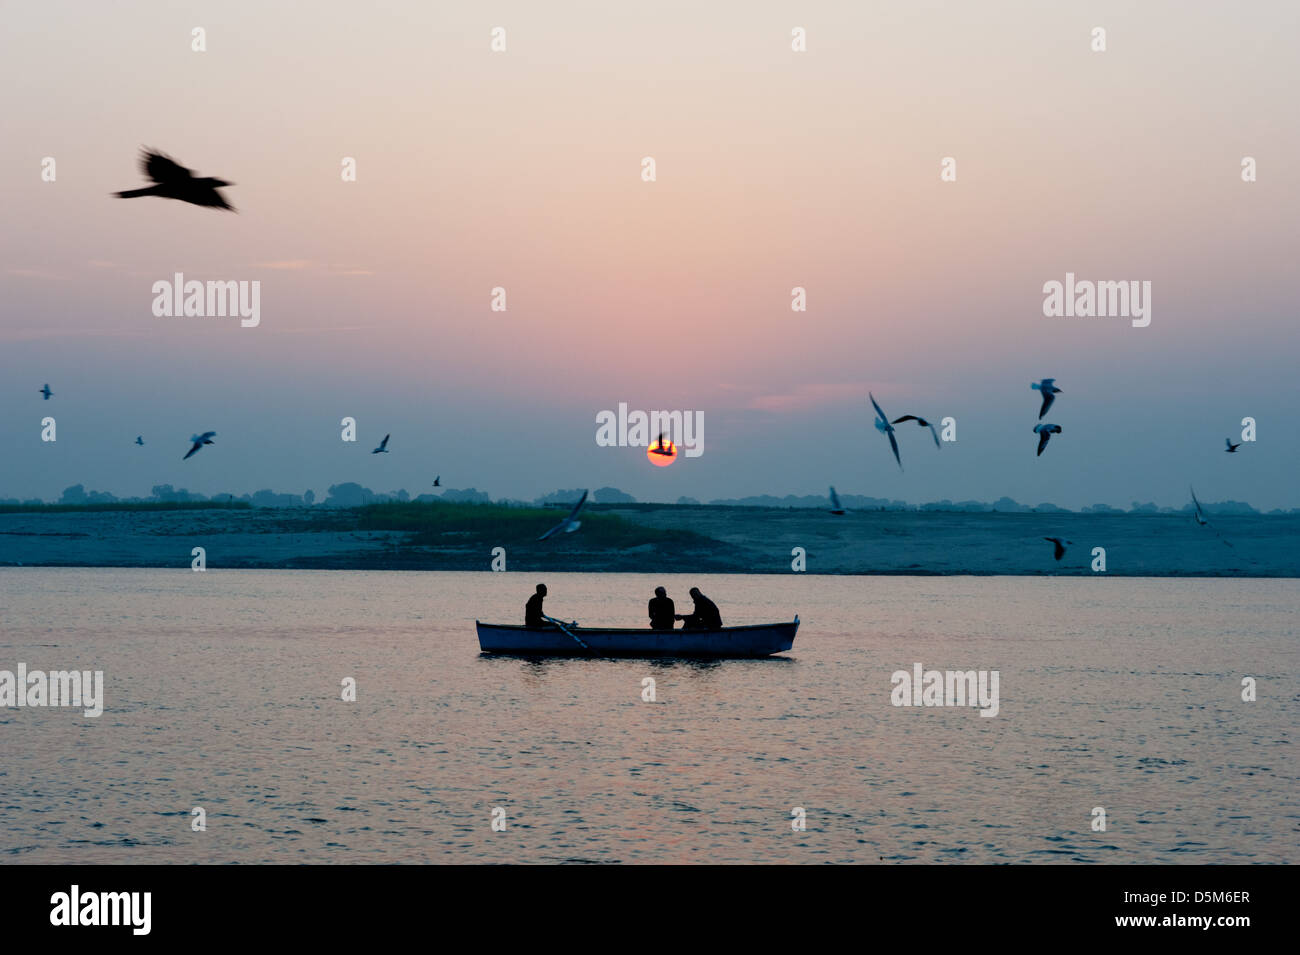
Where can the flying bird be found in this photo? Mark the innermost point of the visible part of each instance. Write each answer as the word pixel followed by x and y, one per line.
pixel 199 441
pixel 1045 432
pixel 1048 387
pixel 570 523
pixel 661 448
pixel 1230 449
pixel 173 181
pixel 383 446
pixel 924 424
pixel 437 482
pixel 1199 514
pixel 1059 550
pixel 46 392
pixel 139 439
pixel 1204 521
pixel 836 506
pixel 884 427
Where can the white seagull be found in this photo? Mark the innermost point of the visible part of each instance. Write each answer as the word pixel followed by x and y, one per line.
pixel 1045 432
pixel 1059 551
pixel 884 427
pixel 836 506
pixel 570 523
pixel 199 441
pixel 1048 387
pixel 924 424
pixel 383 446
pixel 46 392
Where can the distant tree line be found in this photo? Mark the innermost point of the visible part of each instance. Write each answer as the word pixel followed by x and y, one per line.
pixel 351 494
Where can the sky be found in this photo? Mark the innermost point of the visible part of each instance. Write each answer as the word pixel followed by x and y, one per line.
pixel 522 169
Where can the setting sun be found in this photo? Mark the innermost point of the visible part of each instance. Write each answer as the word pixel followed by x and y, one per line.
pixel 661 453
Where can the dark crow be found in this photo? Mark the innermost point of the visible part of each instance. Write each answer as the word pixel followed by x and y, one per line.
pixel 174 181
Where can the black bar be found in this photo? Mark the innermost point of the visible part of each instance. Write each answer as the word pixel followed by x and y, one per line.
pixel 946 906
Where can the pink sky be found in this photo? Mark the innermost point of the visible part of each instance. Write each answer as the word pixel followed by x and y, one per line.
pixel 775 169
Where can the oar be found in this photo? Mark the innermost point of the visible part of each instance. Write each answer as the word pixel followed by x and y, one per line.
pixel 568 631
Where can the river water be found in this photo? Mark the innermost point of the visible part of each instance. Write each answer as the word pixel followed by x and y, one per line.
pixel 223 691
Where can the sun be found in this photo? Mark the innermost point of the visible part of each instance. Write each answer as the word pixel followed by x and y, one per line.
pixel 661 454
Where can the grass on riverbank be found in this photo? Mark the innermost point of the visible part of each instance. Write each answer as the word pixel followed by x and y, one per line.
pixel 433 523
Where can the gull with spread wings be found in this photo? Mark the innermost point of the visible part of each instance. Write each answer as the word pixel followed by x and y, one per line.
pixel 1045 432
pixel 199 441
pixel 924 424
pixel 1048 387
pixel 884 427
pixel 570 523
pixel 1203 521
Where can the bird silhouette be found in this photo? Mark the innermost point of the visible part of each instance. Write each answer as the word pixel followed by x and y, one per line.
pixel 139 439
pixel 1059 550
pixel 1045 432
pixel 1230 449
pixel 173 181
pixel 1199 514
pixel 199 441
pixel 924 424
pixel 46 392
pixel 570 523
pixel 1048 387
pixel 437 482
pixel 383 446
pixel 1204 521
pixel 885 428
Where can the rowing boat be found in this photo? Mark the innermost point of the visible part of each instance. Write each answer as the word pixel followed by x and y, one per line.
pixel 755 640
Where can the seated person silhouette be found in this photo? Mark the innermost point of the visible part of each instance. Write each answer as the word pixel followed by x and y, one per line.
pixel 533 616
pixel 662 610
pixel 704 617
